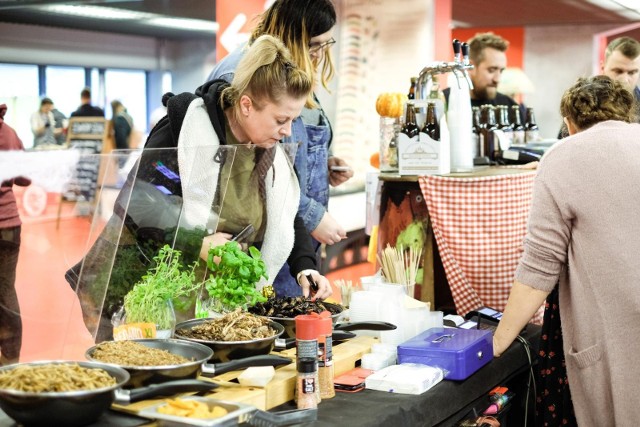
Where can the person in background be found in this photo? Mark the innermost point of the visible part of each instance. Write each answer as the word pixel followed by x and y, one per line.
pixel 582 234
pixel 86 109
pixel 121 124
pixel 43 124
pixel 10 227
pixel 487 54
pixel 60 128
pixel 622 63
pixel 306 28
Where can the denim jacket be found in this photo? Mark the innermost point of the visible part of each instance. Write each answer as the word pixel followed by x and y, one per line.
pixel 310 162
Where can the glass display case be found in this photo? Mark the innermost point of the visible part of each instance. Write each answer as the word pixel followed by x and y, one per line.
pixel 145 200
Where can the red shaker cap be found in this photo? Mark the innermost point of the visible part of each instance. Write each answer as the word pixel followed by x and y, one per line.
pixel 326 323
pixel 307 326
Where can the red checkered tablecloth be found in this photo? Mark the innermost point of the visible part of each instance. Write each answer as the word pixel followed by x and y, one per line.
pixel 479 224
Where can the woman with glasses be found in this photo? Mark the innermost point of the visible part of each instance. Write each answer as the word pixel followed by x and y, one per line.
pixel 306 27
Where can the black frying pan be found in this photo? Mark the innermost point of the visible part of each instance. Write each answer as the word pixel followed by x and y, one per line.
pixel 198 355
pixel 224 351
pixel 82 407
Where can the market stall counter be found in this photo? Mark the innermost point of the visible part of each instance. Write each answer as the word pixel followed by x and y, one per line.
pixel 444 405
pixel 447 403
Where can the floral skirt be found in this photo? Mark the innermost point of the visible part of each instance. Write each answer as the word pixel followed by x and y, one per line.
pixel 553 401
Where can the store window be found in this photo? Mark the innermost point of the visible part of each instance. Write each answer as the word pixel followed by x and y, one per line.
pixel 130 88
pixel 64 85
pixel 19 90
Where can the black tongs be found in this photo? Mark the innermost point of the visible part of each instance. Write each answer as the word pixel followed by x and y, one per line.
pixel 314 288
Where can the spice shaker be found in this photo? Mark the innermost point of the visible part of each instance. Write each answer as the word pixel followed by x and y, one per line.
pixel 325 356
pixel 307 383
pixel 307 331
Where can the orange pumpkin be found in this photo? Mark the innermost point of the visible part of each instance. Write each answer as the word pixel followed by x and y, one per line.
pixel 390 104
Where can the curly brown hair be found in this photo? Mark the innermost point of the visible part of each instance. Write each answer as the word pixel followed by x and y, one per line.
pixel 597 99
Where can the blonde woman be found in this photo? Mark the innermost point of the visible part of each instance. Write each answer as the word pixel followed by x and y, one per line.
pixel 255 111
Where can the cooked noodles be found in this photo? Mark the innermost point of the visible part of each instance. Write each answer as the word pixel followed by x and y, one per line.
pixel 54 378
pixel 131 353
pixel 234 326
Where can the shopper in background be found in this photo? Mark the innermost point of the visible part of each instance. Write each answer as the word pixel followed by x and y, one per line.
pixel 60 127
pixel 121 125
pixel 10 227
pixel 306 27
pixel 622 63
pixel 583 233
pixel 43 124
pixel 255 112
pixel 86 109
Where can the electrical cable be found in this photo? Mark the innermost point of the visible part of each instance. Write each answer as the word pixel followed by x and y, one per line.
pixel 527 348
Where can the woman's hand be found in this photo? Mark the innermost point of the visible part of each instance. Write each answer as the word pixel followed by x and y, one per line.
pixel 328 231
pixel 338 177
pixel 322 288
pixel 212 241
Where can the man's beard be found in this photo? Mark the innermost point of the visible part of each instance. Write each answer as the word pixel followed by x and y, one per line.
pixel 487 93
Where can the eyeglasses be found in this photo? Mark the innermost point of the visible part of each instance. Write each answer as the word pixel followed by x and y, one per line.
pixel 316 47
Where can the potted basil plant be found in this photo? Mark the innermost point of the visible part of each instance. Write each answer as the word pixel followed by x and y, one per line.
pixel 232 279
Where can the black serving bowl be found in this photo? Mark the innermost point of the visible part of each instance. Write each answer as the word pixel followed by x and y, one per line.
pixel 290 323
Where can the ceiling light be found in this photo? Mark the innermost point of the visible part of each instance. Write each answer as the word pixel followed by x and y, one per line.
pixel 97 12
pixel 180 23
pixel 629 9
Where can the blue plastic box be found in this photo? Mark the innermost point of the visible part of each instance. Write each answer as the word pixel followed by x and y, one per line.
pixel 459 352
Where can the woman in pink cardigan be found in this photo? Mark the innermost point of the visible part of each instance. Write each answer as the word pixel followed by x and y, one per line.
pixel 584 234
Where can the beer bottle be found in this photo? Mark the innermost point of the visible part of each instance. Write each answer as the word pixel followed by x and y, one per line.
pixel 531 131
pixel 504 126
pixel 412 88
pixel 410 127
pixel 475 140
pixel 518 128
pixel 489 146
pixel 431 126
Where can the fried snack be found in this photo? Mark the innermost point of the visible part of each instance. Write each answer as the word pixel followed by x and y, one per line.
pixel 51 378
pixel 131 353
pixel 191 409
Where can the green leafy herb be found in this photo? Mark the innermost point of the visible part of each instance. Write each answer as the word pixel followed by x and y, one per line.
pixel 234 277
pixel 166 282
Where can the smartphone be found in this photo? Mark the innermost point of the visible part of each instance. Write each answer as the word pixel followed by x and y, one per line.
pixel 243 234
pixel 340 168
pixel 352 381
pixel 484 324
pixel 486 313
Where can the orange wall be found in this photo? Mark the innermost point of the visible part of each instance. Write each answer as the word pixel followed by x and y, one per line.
pixel 515 36
pixel 442 37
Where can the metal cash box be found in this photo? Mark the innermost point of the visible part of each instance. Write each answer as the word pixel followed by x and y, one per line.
pixel 459 352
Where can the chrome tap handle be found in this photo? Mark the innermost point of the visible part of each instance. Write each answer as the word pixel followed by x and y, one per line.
pixel 465 54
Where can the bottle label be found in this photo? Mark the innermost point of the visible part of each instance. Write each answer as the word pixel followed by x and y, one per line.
pixel 518 138
pixel 325 353
pixel 419 155
pixel 307 349
pixel 503 139
pixel 309 385
pixel 532 136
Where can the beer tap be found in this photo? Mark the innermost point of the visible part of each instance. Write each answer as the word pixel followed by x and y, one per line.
pixel 466 65
pixel 460 64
